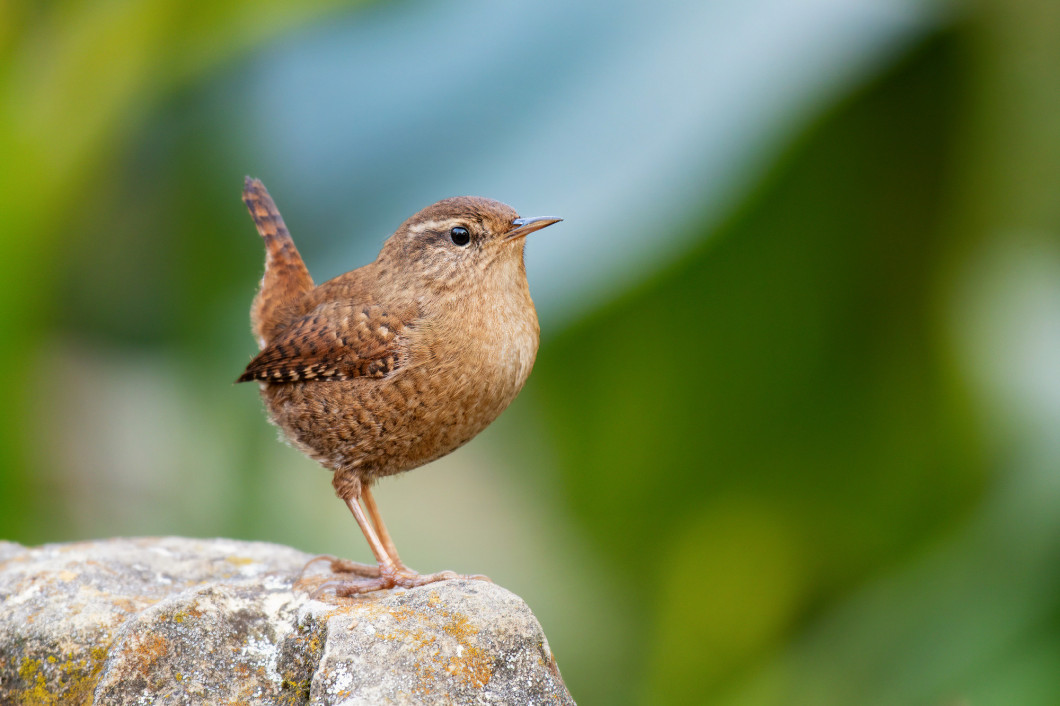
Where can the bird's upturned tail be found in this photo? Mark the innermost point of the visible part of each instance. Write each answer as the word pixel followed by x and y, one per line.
pixel 286 280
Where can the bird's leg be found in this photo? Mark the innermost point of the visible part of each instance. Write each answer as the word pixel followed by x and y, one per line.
pixel 380 528
pixel 382 576
pixel 386 564
pixel 390 573
pixel 348 487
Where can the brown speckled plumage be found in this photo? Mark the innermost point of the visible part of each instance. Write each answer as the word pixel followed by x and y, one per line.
pixel 399 362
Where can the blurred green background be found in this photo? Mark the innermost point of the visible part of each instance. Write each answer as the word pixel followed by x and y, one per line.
pixel 793 436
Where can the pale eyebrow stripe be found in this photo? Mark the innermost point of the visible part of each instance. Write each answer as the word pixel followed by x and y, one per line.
pixel 435 225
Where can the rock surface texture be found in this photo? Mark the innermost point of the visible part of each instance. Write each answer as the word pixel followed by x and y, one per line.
pixel 186 621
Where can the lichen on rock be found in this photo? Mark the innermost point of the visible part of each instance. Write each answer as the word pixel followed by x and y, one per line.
pixel 182 621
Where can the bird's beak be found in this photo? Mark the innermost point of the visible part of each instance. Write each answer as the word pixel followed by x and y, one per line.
pixel 526 226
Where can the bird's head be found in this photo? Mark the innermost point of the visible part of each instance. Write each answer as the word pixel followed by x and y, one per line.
pixel 459 238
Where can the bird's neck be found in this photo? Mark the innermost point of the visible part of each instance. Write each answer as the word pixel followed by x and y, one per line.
pixel 494 318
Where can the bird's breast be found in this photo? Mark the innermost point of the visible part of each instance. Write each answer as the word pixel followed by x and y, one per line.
pixel 483 351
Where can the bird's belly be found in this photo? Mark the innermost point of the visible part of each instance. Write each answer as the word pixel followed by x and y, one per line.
pixel 426 409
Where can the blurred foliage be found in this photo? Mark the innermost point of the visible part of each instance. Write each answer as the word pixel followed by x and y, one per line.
pixel 779 418
pixel 778 448
pixel 773 419
pixel 74 79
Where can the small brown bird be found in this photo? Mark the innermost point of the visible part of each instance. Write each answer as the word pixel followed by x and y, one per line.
pixel 399 362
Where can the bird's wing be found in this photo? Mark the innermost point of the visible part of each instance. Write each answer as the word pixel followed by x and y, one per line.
pixel 335 341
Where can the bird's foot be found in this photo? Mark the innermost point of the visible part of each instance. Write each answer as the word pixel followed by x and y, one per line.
pixel 344 566
pixel 401 577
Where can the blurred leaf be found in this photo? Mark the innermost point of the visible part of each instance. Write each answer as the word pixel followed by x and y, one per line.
pixel 731 582
pixel 73 79
pixel 792 358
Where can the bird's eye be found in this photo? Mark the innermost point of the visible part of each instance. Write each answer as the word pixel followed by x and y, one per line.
pixel 460 236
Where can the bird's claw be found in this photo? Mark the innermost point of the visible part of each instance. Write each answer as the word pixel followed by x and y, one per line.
pixel 386 578
pixel 344 566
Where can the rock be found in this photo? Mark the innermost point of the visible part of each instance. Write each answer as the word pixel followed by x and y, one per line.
pixel 182 621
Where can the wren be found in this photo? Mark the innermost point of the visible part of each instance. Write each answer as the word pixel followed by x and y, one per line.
pixel 394 364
